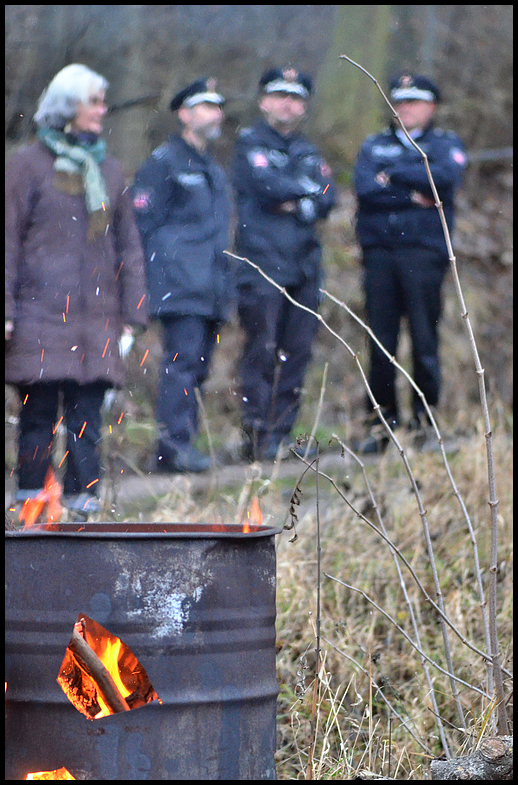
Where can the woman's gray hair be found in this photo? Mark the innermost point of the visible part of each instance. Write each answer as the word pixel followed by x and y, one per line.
pixel 72 85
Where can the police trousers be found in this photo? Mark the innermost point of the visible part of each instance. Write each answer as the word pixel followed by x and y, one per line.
pixel 188 345
pixel 399 282
pixel 278 343
pixel 81 406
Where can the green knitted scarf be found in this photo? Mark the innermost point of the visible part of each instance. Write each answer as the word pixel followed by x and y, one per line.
pixel 80 158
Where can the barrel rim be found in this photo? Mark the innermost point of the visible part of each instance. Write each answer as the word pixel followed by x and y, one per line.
pixel 145 530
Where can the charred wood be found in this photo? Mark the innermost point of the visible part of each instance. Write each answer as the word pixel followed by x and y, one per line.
pixel 100 674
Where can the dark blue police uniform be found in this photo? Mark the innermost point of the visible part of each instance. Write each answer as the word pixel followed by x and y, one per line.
pixel 404 250
pixel 270 169
pixel 182 205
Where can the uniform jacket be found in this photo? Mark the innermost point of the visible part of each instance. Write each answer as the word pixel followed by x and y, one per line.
pixel 182 204
pixel 68 297
pixel 269 169
pixel 387 214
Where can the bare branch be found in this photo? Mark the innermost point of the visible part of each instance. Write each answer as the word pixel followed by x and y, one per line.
pixel 493 501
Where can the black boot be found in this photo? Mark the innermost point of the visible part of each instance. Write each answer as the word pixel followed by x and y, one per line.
pixel 177 458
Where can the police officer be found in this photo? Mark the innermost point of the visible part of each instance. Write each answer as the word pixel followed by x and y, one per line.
pixel 403 245
pixel 181 200
pixel 283 186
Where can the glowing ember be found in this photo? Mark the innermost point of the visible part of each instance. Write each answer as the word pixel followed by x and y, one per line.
pixel 77 680
pixel 57 774
pixel 50 496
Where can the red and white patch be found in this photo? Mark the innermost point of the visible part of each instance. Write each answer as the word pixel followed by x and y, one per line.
pixel 458 156
pixel 259 160
pixel 142 200
pixel 325 169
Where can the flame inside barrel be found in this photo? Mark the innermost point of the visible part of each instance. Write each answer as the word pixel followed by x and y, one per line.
pixel 81 682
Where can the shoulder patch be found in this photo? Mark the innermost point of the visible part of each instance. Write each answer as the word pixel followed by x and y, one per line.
pixel 258 159
pixel 458 156
pixel 142 199
pixel 325 169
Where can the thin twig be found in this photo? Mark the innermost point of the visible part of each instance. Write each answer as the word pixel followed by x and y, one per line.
pixel 409 604
pixel 381 694
pixel 502 719
pixel 456 492
pixel 287 526
pixel 411 570
pixel 405 635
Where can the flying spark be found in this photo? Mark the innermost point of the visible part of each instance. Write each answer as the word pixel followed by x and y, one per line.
pixel 141 301
pixel 144 358
pixel 82 430
pixel 104 352
pixel 63 458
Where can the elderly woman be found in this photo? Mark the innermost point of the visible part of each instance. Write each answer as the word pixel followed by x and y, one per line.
pixel 74 283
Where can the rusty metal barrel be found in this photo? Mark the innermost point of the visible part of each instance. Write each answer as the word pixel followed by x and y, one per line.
pixel 195 603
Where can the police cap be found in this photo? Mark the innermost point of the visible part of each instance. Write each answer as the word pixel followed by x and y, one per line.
pixel 408 87
pixel 286 80
pixel 203 90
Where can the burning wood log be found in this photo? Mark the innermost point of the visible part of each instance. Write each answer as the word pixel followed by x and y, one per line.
pixel 104 682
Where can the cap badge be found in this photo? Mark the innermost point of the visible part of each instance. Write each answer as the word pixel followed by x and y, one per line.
pixel 406 81
pixel 211 85
pixel 290 75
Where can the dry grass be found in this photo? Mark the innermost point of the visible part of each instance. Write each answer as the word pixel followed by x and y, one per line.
pixel 356 730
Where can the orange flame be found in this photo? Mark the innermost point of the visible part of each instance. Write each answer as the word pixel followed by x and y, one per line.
pixel 129 676
pixel 255 516
pixel 57 774
pixel 108 653
pixel 50 495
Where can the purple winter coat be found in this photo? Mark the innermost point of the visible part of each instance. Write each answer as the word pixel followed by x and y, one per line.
pixel 68 297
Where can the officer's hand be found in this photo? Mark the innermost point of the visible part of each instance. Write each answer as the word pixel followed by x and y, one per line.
pixel 9 327
pixel 382 178
pixel 287 207
pixel 421 199
pixel 310 186
pixel 306 210
pixel 126 340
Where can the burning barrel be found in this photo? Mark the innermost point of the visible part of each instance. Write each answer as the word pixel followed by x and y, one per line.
pixel 194 608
